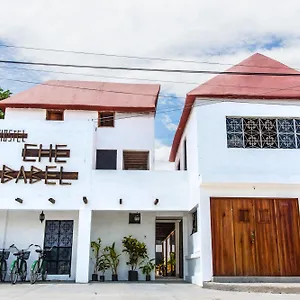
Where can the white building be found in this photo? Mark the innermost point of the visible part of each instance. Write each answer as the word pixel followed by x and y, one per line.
pixel 238 137
pixel 100 169
pixel 83 154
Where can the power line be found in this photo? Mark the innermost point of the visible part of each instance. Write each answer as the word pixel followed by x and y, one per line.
pixel 133 57
pixel 120 68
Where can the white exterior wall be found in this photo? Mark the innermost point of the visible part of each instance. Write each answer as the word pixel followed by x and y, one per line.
pixel 103 188
pixel 113 226
pixel 218 171
pixel 23 228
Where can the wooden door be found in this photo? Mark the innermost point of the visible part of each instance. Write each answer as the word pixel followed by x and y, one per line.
pixel 255 237
pixel 244 235
pixel 222 238
pixel 267 260
pixel 287 222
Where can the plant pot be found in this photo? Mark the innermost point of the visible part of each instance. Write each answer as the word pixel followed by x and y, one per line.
pixel 133 275
pixel 95 277
pixel 102 278
pixel 114 277
pixel 148 277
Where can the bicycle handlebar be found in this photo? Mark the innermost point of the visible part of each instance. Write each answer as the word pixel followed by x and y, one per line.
pixel 22 250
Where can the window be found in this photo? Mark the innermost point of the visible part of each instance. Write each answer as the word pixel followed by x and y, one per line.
pixel 185 155
pixel 106 119
pixel 55 115
pixel 271 133
pixel 106 160
pixel 195 223
pixel 136 160
pixel 178 166
pixel 59 234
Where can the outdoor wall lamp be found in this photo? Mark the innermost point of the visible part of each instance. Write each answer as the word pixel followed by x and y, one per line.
pixel 51 200
pixel 42 217
pixel 121 201
pixel 156 201
pixel 85 200
pixel 19 200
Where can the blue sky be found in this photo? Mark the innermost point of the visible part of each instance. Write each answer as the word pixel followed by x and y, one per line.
pixel 214 31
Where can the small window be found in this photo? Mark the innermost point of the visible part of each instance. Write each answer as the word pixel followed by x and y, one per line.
pixel 106 119
pixel 55 115
pixel 185 155
pixel 106 160
pixel 178 166
pixel 195 222
pixel 136 160
pixel 134 218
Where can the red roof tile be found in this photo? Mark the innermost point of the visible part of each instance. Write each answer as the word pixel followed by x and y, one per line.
pixel 87 95
pixel 243 86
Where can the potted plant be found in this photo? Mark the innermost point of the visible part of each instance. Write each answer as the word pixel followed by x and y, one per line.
pixel 136 250
pixel 103 265
pixel 96 246
pixel 172 263
pixel 113 260
pixel 147 266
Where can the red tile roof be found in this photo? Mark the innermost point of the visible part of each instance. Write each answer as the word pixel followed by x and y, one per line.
pixel 243 86
pixel 87 95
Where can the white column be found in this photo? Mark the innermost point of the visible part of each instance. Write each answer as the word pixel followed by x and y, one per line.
pixel 83 246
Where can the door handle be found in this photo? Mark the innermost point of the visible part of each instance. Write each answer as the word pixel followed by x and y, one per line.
pixel 252 237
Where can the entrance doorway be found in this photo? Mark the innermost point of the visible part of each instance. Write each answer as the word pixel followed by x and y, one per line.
pixel 255 237
pixel 169 249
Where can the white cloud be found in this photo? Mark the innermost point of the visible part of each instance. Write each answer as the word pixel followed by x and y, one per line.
pixel 167 121
pixel 181 29
pixel 162 153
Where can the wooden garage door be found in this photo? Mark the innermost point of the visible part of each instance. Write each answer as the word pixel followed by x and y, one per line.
pixel 255 237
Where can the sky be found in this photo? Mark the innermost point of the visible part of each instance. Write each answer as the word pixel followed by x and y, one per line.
pixel 214 34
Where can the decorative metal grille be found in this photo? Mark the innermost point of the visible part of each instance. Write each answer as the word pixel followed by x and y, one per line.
pixel 263 133
pixel 60 235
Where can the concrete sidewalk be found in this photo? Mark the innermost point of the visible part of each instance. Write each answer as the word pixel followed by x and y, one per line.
pixel 126 291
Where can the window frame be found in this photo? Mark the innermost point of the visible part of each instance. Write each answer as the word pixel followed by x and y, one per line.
pixel 55 111
pixel 136 151
pixel 194 221
pixel 282 136
pixel 106 150
pixel 101 122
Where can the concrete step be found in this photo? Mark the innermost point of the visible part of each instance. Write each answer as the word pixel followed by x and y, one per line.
pixel 274 288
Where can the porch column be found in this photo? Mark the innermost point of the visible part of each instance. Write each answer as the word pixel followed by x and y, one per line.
pixel 83 246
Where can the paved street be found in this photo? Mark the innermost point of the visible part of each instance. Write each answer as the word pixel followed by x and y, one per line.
pixel 126 291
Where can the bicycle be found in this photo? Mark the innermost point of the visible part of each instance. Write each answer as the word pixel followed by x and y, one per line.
pixel 39 266
pixel 4 255
pixel 19 266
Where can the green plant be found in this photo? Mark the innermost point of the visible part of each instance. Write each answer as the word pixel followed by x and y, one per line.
pixel 136 250
pixel 3 95
pixel 147 266
pixel 96 246
pixel 103 264
pixel 172 259
pixel 112 258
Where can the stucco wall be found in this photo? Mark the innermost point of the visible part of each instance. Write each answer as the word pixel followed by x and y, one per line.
pixel 113 226
pixel 24 228
pixel 217 163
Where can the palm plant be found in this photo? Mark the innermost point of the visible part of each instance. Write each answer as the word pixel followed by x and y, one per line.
pixel 112 259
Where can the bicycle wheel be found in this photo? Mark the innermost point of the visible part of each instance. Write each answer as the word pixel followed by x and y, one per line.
pixel 14 273
pixel 34 272
pixel 23 270
pixel 3 270
pixel 44 271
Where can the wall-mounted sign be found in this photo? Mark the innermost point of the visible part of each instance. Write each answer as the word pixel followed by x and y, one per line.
pixel 51 175
pixel 56 153
pixel 10 135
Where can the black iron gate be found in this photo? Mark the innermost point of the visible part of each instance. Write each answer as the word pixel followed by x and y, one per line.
pixel 60 235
